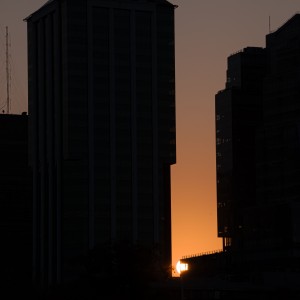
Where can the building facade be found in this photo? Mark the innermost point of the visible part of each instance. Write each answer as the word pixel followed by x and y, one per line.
pixel 258 188
pixel 257 145
pixel 238 114
pixel 278 142
pixel 102 129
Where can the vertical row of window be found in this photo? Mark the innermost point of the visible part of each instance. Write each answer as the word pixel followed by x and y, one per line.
pixel 102 135
pixel 144 106
pixel 42 87
pixel 123 108
pixel 166 84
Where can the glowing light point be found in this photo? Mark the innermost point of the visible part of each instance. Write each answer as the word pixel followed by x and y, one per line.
pixel 181 267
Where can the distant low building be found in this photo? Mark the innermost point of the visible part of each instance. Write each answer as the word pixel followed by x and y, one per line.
pixel 15 202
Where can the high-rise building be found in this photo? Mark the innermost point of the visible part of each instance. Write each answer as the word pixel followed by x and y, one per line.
pixel 238 113
pixel 102 129
pixel 257 121
pixel 278 145
pixel 257 142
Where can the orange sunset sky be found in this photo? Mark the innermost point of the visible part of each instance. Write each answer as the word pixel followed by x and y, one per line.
pixel 207 31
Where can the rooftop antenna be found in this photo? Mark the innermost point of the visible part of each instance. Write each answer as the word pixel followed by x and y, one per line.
pixel 269 24
pixel 7 74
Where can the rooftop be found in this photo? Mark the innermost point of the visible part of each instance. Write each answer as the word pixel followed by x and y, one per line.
pixel 162 2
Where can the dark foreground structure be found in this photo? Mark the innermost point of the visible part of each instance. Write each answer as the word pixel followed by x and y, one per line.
pixel 102 135
pixel 15 203
pixel 258 175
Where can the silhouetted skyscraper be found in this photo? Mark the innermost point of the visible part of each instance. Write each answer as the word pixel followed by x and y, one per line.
pixel 238 113
pixel 278 145
pixel 258 143
pixel 102 128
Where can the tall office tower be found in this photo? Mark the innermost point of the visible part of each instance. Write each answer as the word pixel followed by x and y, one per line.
pixel 102 129
pixel 258 164
pixel 278 161
pixel 238 112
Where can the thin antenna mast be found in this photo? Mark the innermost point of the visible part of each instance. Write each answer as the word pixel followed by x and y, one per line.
pixel 7 75
pixel 269 24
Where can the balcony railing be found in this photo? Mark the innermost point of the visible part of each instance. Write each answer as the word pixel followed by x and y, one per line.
pixel 202 254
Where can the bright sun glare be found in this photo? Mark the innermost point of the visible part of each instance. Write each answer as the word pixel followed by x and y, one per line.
pixel 181 267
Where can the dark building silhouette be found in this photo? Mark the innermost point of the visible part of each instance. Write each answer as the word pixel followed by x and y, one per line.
pixel 15 202
pixel 258 187
pixel 278 145
pixel 238 113
pixel 257 137
pixel 102 129
pixel 258 176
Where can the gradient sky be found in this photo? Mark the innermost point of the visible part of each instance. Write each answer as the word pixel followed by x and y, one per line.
pixel 207 32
